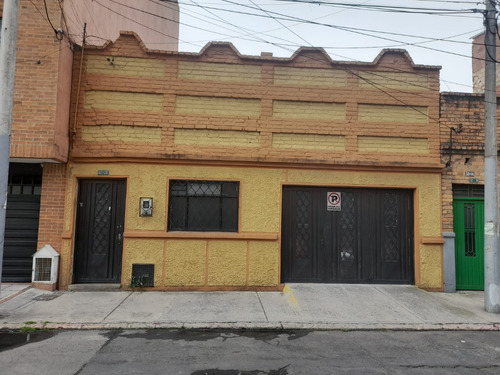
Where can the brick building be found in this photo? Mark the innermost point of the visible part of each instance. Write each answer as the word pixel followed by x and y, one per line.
pixel 462 153
pixel 40 128
pixel 462 147
pixel 478 68
pixel 214 170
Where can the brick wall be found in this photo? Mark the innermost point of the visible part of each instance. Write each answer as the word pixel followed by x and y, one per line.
pixel 52 206
pixel 220 105
pixel 42 85
pixel 478 63
pixel 468 146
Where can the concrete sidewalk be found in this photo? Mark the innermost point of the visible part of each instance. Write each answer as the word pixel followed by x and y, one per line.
pixel 299 306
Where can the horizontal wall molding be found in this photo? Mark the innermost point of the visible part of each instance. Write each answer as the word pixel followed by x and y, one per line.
pixel 202 235
pixel 432 240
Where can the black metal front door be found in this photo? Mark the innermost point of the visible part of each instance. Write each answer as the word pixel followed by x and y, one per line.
pixel 99 231
pixel 369 240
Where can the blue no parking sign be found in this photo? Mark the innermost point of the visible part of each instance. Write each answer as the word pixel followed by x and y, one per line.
pixel 334 201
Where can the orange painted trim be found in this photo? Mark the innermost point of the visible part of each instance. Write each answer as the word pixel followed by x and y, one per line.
pixel 248 263
pixel 207 257
pixel 432 240
pixel 201 235
pixel 164 265
pixel 349 185
pixel 379 166
pixel 67 235
pixel 273 288
pixel 416 237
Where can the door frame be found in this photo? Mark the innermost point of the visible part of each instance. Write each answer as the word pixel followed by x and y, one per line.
pixel 479 242
pixel 96 179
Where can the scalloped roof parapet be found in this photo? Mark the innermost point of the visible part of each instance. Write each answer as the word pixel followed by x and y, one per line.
pixel 302 51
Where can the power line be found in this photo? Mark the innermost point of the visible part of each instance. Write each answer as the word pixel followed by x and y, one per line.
pixel 383 8
pixel 267 14
pixel 281 45
pixel 359 31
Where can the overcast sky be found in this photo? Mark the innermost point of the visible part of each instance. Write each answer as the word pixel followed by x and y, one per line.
pixel 356 32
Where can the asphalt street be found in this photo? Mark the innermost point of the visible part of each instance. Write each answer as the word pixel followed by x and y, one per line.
pixel 247 352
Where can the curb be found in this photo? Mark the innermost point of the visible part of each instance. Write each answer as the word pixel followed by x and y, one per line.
pixel 278 326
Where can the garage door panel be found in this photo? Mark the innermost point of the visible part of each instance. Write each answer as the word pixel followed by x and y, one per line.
pixel 21 224
pixel 394 261
pixel 370 240
pixel 346 255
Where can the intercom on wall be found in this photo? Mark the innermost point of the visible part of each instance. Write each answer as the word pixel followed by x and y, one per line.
pixel 146 208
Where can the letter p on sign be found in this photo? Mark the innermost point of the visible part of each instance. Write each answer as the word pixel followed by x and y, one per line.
pixel 334 201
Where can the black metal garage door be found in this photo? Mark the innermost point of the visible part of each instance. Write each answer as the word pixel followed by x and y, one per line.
pixel 21 224
pixel 367 239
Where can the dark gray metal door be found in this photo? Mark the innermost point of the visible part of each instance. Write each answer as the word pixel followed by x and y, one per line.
pixel 99 231
pixel 21 222
pixel 370 240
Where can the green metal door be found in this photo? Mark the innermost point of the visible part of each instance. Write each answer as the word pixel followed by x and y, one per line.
pixel 468 225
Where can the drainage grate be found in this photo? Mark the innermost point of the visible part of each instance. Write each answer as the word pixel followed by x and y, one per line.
pixel 143 275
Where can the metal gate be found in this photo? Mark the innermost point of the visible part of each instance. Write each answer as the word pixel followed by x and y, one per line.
pixel 368 239
pixel 99 231
pixel 468 225
pixel 21 222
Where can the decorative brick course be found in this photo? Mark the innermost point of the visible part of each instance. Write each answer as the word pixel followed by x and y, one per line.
pixel 219 92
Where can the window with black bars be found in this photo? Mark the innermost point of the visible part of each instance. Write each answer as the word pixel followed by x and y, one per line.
pixel 468 191
pixel 204 206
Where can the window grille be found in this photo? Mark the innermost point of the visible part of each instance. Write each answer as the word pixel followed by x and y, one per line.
pixel 143 275
pixel 43 267
pixel 468 191
pixel 203 206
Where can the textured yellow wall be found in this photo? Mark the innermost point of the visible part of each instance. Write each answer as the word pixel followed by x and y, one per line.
pixel 121 133
pixel 392 113
pixel 393 144
pixel 227 263
pixel 219 72
pixel 396 81
pixel 260 191
pixel 308 110
pixel 204 105
pixel 431 267
pixel 264 263
pixel 142 251
pixel 185 262
pixel 217 137
pixel 147 182
pixel 309 77
pixel 125 66
pixel 309 141
pixel 125 101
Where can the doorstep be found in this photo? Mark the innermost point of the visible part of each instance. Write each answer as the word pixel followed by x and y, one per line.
pixel 94 287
